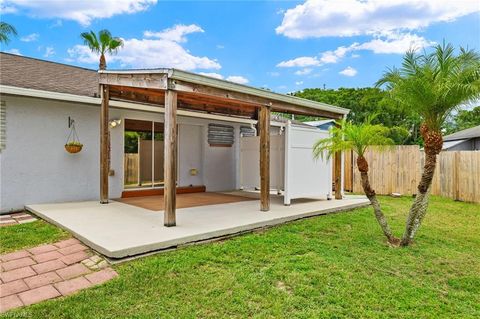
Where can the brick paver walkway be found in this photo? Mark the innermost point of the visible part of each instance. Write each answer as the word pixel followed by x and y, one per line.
pixel 33 275
pixel 16 218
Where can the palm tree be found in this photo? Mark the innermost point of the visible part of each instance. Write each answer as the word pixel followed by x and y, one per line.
pixel 347 136
pixel 6 30
pixel 432 85
pixel 102 44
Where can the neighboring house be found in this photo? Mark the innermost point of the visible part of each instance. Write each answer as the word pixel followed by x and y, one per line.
pixel 323 124
pixel 465 140
pixel 39 100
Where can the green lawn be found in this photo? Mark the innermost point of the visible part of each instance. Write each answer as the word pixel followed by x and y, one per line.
pixel 335 266
pixel 29 235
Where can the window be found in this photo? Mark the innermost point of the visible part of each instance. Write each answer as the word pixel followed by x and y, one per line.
pixel 220 135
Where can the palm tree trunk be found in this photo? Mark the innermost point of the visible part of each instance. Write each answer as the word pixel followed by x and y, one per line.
pixel 362 165
pixel 418 210
pixel 103 62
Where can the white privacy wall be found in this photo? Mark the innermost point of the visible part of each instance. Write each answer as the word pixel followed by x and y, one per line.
pixel 305 176
pixel 35 168
pixel 250 162
pixel 292 166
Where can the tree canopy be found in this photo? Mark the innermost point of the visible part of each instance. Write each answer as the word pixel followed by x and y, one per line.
pixel 462 120
pixel 363 102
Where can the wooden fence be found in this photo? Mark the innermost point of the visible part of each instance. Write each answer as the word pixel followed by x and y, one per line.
pixel 398 170
pixel 131 168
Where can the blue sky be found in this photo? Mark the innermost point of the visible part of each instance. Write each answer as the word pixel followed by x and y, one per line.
pixel 285 46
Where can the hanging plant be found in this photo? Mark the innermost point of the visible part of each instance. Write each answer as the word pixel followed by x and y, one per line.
pixel 73 144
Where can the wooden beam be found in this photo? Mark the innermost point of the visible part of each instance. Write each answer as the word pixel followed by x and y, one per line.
pixel 264 127
pixel 104 147
pixel 170 153
pixel 206 105
pixel 226 96
pixel 150 81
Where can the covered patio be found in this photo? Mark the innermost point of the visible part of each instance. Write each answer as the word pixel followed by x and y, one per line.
pixel 120 230
pixel 138 224
pixel 169 90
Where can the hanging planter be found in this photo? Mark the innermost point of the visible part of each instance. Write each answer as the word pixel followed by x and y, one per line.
pixel 73 147
pixel 73 144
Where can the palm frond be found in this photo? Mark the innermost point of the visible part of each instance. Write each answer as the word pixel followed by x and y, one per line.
pixel 347 136
pixel 6 31
pixel 90 39
pixel 433 84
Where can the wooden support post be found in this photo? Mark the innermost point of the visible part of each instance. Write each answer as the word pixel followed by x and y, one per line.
pixel 104 147
pixel 170 154
pixel 264 128
pixel 338 174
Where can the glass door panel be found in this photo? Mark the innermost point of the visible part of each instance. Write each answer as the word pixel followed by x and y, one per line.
pixel 138 161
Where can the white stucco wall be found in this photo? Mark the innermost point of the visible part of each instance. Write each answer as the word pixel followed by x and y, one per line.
pixel 35 168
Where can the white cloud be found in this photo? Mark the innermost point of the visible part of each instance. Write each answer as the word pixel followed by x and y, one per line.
pixel 304 71
pixel 334 56
pixel 323 18
pixel 81 11
pixel 301 62
pixel 349 71
pixel 393 43
pixel 164 50
pixel 176 34
pixel 299 83
pixel 220 46
pixel 14 51
pixel 212 75
pixel 237 79
pixel 82 54
pixel 232 78
pixel 49 51
pixel 274 74
pixel 30 38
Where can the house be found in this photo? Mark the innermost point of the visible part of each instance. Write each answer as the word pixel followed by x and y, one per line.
pixel 322 125
pixel 465 140
pixel 159 131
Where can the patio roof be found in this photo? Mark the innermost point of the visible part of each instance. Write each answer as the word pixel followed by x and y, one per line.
pixel 203 93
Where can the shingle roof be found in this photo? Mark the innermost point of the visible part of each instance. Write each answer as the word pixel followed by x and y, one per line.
pixel 25 72
pixel 464 134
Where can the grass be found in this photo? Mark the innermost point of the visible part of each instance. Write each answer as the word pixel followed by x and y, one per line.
pixel 335 266
pixel 28 235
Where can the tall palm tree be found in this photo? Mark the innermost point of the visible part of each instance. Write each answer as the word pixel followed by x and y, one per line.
pixel 6 31
pixel 432 85
pixel 102 44
pixel 347 136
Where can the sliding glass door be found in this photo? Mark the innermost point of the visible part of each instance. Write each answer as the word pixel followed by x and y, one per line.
pixel 143 154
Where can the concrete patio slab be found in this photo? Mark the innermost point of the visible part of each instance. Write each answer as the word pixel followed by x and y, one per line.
pixel 118 230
